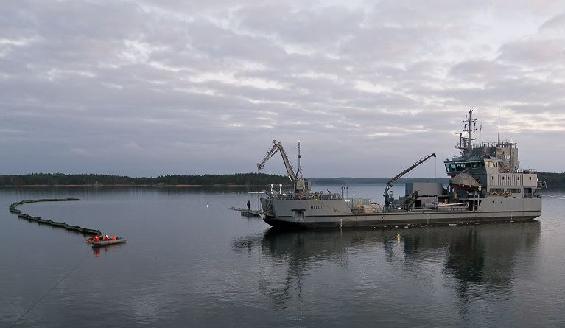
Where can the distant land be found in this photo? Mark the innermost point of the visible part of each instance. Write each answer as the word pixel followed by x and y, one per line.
pixel 69 180
pixel 555 181
pixel 238 179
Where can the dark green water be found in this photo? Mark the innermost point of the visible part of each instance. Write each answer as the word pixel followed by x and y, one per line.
pixel 192 262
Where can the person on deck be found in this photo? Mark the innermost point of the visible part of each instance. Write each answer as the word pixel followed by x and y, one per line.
pixel 248 205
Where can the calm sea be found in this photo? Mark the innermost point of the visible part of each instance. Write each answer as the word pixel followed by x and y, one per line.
pixel 192 262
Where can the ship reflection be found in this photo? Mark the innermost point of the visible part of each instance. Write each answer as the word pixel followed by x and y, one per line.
pixel 471 259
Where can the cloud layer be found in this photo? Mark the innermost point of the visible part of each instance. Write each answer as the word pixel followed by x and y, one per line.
pixel 152 87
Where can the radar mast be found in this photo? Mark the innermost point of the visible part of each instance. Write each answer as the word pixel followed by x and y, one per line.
pixel 470 126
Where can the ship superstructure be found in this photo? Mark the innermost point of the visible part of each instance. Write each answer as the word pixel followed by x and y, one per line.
pixel 486 185
pixel 489 171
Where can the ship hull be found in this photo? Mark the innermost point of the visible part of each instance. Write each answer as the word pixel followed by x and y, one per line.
pixel 336 214
pixel 393 220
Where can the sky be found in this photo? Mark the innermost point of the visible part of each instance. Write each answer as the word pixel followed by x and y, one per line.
pixel 144 88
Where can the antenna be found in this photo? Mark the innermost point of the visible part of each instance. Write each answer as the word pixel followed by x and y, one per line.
pixel 435 167
pixel 470 126
pixel 470 130
pixel 299 168
pixel 498 126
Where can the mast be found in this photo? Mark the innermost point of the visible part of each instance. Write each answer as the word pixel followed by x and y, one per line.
pixel 470 130
pixel 299 167
pixel 466 143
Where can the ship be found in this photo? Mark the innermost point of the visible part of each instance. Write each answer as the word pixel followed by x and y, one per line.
pixel 486 185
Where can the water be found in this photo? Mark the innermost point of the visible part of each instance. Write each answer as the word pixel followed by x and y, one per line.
pixel 192 262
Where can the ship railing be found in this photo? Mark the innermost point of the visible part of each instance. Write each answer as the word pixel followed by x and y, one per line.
pixel 431 209
pixel 306 196
pixel 453 209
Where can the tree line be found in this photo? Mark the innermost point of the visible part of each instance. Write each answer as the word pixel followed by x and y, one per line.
pixel 60 179
pixel 553 181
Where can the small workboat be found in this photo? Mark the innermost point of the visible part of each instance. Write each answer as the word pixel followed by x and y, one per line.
pixel 247 212
pixel 105 241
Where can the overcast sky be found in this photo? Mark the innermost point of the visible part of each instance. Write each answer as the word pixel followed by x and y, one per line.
pixel 154 87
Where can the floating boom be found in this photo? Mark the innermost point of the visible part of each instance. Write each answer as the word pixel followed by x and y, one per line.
pixel 387 195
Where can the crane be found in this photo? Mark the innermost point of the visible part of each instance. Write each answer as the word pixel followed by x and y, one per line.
pixel 295 177
pixel 387 194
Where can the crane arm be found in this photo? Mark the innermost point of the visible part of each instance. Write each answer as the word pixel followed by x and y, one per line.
pixel 287 165
pixel 277 147
pixel 400 175
pixel 415 165
pixel 270 154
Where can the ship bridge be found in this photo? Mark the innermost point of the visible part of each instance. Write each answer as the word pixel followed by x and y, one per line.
pixel 494 166
pixel 454 167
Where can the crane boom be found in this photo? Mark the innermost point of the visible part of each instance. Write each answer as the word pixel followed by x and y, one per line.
pixel 277 147
pixel 387 195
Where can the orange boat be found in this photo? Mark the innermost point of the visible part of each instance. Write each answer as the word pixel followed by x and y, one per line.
pixel 101 241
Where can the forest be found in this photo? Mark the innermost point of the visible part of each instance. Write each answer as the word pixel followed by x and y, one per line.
pixel 60 179
pixel 554 181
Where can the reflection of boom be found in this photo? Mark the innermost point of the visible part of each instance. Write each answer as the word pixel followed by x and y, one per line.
pixel 388 196
pixel 277 147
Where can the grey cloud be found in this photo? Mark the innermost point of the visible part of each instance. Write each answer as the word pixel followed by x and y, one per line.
pixel 535 52
pixel 482 70
pixel 428 13
pixel 390 44
pixel 555 23
pixel 508 91
pixel 314 26
pixel 554 108
pixel 149 87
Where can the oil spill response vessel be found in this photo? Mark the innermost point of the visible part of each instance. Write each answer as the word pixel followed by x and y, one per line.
pixel 486 185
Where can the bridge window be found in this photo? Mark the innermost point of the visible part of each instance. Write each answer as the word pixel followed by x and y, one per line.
pixel 458 167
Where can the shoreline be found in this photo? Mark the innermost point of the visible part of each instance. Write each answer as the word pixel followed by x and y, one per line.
pixel 128 186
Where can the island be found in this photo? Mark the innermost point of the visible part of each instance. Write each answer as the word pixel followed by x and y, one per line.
pixel 101 180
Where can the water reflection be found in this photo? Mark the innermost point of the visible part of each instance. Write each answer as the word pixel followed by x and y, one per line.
pixel 471 260
pixel 96 251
